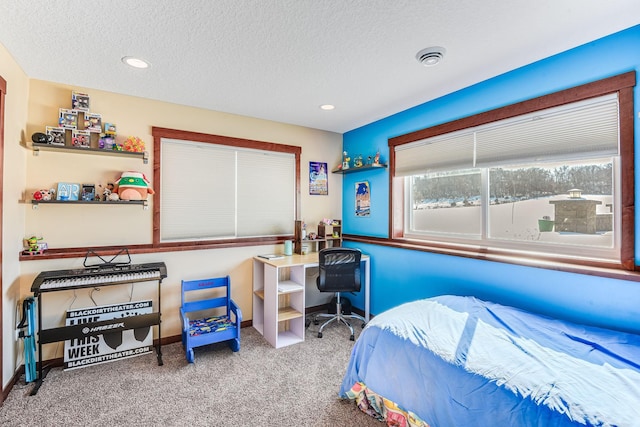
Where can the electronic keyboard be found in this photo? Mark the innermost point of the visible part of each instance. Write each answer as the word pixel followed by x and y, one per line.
pixel 113 274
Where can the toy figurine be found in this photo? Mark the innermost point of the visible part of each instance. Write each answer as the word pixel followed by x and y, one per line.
pixel 33 246
pixel 44 195
pixel 376 159
pixel 345 160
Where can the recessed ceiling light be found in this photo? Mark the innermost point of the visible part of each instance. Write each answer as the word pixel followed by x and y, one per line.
pixel 431 56
pixel 135 62
pixel 327 107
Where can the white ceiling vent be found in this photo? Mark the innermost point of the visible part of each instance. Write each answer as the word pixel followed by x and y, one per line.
pixel 431 56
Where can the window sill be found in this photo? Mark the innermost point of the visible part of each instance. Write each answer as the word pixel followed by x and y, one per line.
pixel 81 252
pixel 610 270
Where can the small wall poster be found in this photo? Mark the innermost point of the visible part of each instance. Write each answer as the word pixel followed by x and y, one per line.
pixel 363 199
pixel 318 182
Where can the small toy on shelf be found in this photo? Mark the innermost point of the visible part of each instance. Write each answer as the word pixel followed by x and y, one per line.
pixel 134 144
pixel 44 195
pixel 110 129
pixel 80 101
pixel 357 162
pixel 93 122
pixel 88 192
pixel 133 186
pixel 345 160
pixel 33 246
pixel 68 119
pixel 57 135
pixel 106 142
pixel 80 138
pixel 376 159
pixel 107 193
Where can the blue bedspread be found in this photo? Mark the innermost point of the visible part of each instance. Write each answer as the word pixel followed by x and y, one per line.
pixel 459 361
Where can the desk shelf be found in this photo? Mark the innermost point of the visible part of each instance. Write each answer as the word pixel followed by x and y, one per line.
pixel 278 301
pixel 287 286
pixel 288 313
pixel 279 291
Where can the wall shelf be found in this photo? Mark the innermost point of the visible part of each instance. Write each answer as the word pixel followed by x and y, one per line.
pixel 37 147
pixel 36 203
pixel 359 169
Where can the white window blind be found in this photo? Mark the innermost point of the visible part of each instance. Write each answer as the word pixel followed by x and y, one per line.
pixel 211 191
pixel 266 193
pixel 585 129
pixel 452 151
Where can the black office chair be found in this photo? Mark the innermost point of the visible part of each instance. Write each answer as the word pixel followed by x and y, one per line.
pixel 339 271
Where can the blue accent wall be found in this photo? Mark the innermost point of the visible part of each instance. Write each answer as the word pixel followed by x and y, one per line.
pixel 401 275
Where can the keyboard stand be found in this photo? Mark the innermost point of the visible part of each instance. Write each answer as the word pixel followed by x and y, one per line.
pixel 52 335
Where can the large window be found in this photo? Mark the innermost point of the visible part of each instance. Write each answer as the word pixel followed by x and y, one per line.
pixel 214 188
pixel 550 182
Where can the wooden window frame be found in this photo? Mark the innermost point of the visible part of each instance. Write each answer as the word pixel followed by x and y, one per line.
pixel 621 84
pixel 159 133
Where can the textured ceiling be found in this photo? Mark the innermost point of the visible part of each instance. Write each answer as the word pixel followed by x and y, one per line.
pixel 281 59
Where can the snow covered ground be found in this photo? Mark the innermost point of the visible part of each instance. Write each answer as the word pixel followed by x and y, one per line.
pixel 517 220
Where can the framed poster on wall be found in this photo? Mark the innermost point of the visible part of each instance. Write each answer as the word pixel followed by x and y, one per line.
pixel 363 199
pixel 318 182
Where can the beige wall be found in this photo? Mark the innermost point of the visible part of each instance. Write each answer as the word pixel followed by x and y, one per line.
pixel 15 118
pixel 82 225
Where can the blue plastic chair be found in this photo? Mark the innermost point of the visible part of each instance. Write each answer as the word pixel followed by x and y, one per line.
pixel 219 324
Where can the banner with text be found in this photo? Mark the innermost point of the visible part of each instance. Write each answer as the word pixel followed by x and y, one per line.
pixel 108 346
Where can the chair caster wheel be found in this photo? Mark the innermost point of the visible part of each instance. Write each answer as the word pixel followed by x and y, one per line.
pixel 319 334
pixel 352 338
pixel 316 322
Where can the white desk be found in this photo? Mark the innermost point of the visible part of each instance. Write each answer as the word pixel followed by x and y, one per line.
pixel 279 295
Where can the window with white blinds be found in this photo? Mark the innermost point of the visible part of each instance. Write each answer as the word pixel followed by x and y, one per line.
pixel 580 130
pixel 212 191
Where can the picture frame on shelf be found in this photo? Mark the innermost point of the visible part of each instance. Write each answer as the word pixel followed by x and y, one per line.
pixel 80 101
pixel 68 119
pixel 58 135
pixel 68 191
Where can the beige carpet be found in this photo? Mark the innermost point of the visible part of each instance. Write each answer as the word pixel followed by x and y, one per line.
pixel 257 386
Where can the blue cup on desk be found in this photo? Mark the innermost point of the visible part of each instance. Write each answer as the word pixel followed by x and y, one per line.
pixel 288 247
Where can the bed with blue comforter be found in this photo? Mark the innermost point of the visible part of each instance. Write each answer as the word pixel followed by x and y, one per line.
pixel 459 361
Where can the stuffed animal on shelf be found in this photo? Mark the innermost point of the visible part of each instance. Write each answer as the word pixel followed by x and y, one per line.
pixel 44 194
pixel 133 186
